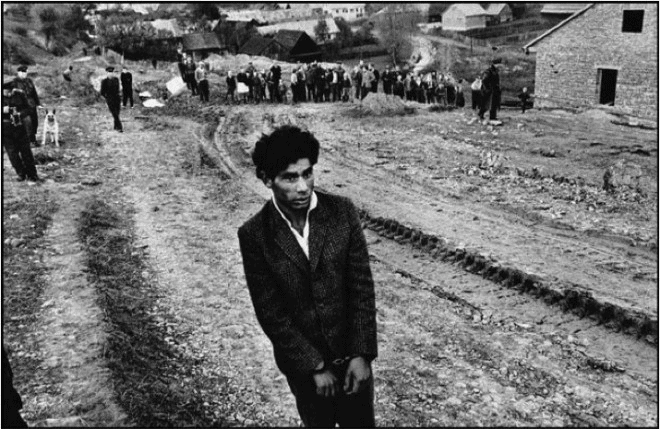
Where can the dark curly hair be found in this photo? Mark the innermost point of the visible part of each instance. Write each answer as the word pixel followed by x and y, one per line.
pixel 286 145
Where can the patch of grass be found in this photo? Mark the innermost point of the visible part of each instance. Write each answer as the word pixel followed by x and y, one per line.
pixel 148 371
pixel 25 221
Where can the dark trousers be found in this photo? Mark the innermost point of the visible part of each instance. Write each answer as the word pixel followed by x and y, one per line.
pixel 476 99
pixel 115 107
pixel 31 124
pixel 127 95
pixel 16 144
pixel 203 90
pixel 230 94
pixel 318 411
pixel 490 101
pixel 191 83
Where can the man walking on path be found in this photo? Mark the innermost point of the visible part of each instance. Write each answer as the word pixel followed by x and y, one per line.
pixel 307 269
pixel 110 91
pixel 15 109
pixel 25 84
pixel 126 86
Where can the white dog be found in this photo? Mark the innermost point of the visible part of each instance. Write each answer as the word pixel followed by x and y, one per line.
pixel 51 127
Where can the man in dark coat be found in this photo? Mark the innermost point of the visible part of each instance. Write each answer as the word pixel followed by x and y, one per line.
pixel 15 109
pixel 388 80
pixel 490 91
pixel 126 78
pixel 189 72
pixel 25 84
pixel 231 86
pixel 110 91
pixel 307 269
pixel 276 76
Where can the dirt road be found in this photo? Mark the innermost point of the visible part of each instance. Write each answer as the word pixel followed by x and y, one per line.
pixel 455 348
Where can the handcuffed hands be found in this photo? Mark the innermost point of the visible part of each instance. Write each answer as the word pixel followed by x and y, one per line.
pixel 358 374
pixel 326 383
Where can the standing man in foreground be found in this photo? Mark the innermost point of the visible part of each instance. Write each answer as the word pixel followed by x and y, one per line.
pixel 307 269
pixel 110 91
pixel 25 84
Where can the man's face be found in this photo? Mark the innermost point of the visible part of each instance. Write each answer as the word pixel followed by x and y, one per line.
pixel 22 74
pixel 293 186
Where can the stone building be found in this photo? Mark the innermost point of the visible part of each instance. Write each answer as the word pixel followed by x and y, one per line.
pixel 604 54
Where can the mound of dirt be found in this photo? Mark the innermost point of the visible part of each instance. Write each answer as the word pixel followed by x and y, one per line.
pixel 379 104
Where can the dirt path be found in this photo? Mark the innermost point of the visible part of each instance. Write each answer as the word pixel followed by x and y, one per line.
pixel 73 334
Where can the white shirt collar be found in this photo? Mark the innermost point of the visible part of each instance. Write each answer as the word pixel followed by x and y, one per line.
pixel 303 240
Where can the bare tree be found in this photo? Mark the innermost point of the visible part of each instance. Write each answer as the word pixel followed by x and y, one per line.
pixel 321 30
pixel 397 26
pixel 50 24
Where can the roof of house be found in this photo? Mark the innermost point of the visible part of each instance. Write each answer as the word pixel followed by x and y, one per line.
pixel 167 25
pixel 255 45
pixel 467 9
pixel 563 8
pixel 270 16
pixel 288 38
pixel 558 26
pixel 304 26
pixel 327 6
pixel 198 41
pixel 424 8
pixel 495 8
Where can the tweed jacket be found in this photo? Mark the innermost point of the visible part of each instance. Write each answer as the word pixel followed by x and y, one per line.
pixel 315 309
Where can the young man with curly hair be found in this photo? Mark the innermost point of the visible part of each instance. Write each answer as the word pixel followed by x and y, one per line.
pixel 307 269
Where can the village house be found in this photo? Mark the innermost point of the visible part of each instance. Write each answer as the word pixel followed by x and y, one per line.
pixel 299 46
pixel 307 26
pixel 201 45
pixel 498 13
pixel 464 16
pixel 169 25
pixel 605 54
pixel 285 45
pixel 348 11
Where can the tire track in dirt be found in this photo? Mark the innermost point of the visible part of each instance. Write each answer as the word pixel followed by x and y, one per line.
pixel 551 284
pixel 570 368
pixel 72 332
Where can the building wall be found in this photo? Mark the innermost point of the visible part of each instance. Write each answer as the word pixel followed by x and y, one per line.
pixel 455 20
pixel 567 61
pixel 347 11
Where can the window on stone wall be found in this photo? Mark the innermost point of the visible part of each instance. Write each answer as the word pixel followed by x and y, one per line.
pixel 633 21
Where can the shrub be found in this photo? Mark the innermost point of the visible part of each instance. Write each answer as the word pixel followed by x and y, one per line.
pixel 58 49
pixel 18 56
pixel 21 31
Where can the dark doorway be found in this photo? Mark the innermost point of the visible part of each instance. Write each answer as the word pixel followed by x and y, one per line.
pixel 607 79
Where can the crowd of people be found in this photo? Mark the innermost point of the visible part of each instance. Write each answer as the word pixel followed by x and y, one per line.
pixel 315 82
